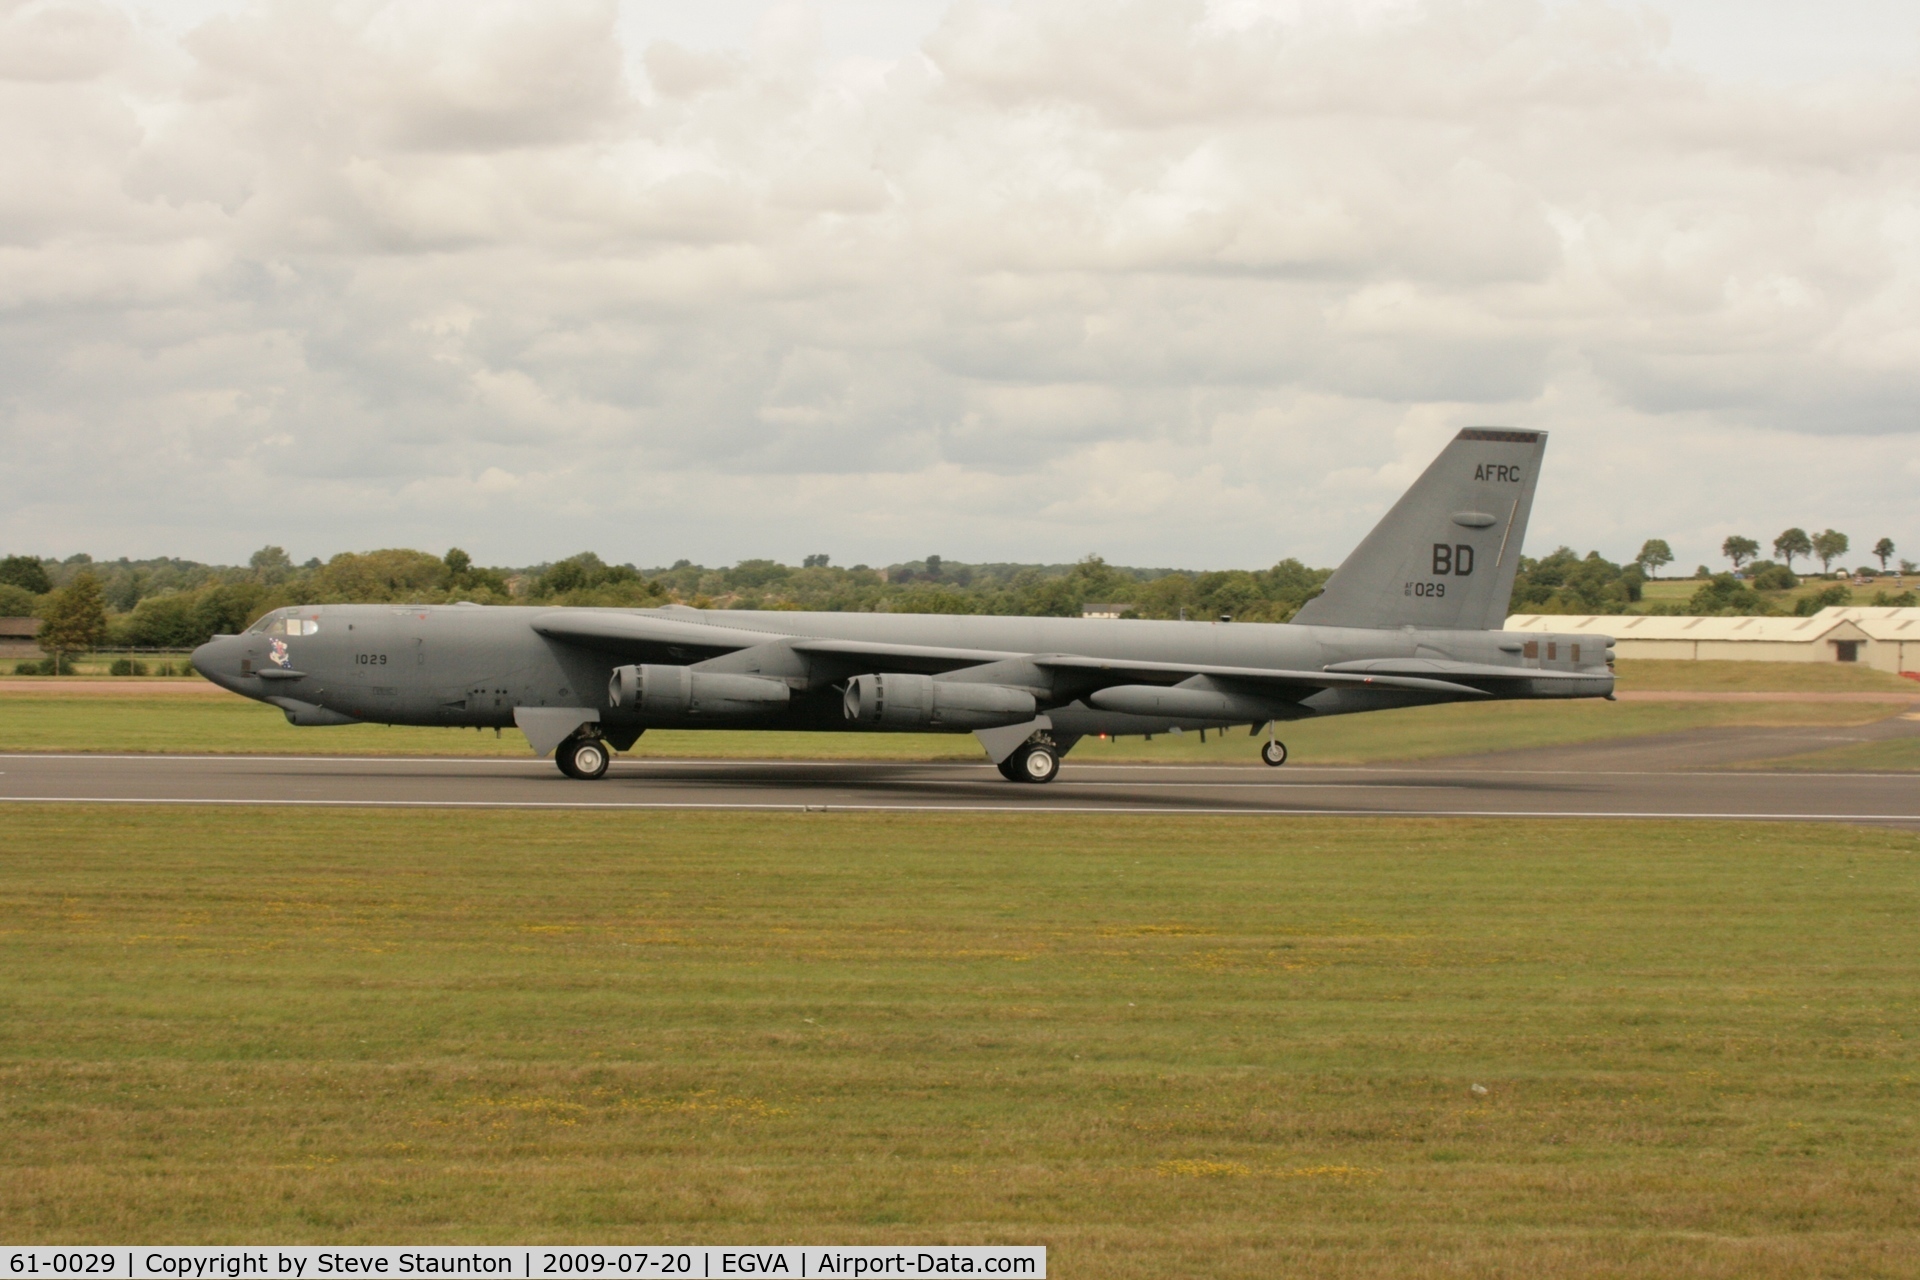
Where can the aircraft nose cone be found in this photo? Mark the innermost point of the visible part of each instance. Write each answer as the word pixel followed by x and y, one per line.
pixel 217 661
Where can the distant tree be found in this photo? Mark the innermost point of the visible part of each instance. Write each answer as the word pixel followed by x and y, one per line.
pixel 1722 595
pixel 750 575
pixel 1792 542
pixel 933 566
pixel 457 561
pixel 1835 595
pixel 75 619
pixel 572 574
pixel 1829 545
pixel 271 564
pixel 15 602
pixel 123 592
pixel 1739 550
pixel 1908 566
pixel 397 575
pixel 27 573
pixel 816 562
pixel 224 610
pixel 164 622
pixel 1654 555
pixel 1564 582
pixel 1883 552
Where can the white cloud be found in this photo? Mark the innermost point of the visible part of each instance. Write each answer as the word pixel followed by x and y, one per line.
pixel 1175 281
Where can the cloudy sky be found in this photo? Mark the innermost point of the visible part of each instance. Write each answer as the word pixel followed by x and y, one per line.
pixel 1182 282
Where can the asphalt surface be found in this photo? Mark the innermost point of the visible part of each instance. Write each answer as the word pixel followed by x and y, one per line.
pixel 1674 776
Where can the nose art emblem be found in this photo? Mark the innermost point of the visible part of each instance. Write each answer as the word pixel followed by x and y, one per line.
pixel 280 658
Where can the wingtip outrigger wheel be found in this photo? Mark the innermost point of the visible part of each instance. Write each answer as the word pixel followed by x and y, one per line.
pixel 1274 752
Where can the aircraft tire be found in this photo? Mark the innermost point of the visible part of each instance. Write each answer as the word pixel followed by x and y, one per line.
pixel 1038 763
pixel 1012 768
pixel 1274 754
pixel 583 758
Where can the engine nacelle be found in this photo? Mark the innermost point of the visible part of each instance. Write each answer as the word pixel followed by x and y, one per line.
pixel 898 701
pixel 678 693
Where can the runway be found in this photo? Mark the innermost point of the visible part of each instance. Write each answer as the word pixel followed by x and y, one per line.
pixel 1489 787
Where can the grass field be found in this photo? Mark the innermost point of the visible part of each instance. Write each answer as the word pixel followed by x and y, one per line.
pixel 1659 674
pixel 33 722
pixel 1210 1047
pixel 1680 590
pixel 1901 755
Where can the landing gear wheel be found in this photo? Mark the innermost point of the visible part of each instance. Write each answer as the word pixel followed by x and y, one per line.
pixel 1013 768
pixel 1038 763
pixel 583 758
pixel 1274 753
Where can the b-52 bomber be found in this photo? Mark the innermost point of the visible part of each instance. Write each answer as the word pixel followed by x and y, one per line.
pixel 1411 618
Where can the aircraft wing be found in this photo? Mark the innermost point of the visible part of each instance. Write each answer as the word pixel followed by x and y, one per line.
pixel 1296 683
pixel 930 659
pixel 1447 668
pixel 641 635
pixel 646 636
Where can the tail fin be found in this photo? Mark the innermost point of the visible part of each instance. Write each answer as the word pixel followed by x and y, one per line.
pixel 1444 557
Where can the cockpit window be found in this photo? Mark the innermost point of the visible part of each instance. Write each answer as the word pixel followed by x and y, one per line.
pixel 285 624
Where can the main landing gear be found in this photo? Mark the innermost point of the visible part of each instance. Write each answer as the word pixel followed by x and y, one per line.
pixel 1033 762
pixel 584 758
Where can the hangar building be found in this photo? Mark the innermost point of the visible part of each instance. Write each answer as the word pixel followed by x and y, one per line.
pixel 1888 639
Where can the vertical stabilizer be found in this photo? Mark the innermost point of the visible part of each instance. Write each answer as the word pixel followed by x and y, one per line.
pixel 1445 556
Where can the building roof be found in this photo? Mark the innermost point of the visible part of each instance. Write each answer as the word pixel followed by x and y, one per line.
pixel 1834 622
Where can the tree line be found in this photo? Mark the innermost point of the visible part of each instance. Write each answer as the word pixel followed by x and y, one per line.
pixel 1828 545
pixel 177 604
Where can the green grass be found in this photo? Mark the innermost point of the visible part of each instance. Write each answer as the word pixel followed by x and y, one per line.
pixel 97 722
pixel 1213 1047
pixel 1672 675
pixel 99 666
pixel 1902 755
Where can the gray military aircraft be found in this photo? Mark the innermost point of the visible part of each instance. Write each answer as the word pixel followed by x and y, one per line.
pixel 1411 618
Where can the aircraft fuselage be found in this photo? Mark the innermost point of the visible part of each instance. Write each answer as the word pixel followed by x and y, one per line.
pixel 473 665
